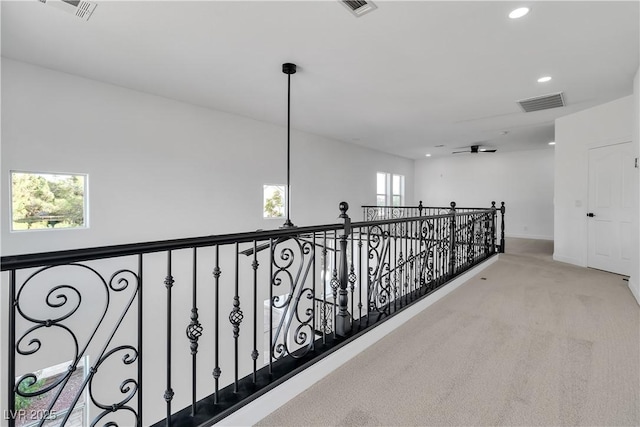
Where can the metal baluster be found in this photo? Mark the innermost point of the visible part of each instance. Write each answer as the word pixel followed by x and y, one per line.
pixel 140 323
pixel 324 287
pixel 216 370
pixel 352 279
pixel 168 394
pixel 417 231
pixel 335 283
pixel 271 251
pixel 369 282
pixel 235 318
pixel 395 266
pixel 254 353
pixel 194 331
pixel 313 285
pixel 397 260
pixel 446 253
pixel 360 275
pixel 407 271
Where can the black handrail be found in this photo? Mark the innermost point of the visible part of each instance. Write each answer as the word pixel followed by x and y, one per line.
pixel 16 262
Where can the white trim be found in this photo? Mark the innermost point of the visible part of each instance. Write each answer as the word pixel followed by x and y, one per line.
pixel 634 287
pixel 568 260
pixel 600 143
pixel 528 236
pixel 255 411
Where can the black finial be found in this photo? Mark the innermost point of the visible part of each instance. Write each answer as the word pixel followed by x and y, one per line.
pixel 493 205
pixel 453 205
pixel 344 207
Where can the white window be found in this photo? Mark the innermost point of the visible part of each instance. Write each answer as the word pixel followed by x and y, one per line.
pixel 48 200
pixel 397 190
pixel 273 201
pixel 390 189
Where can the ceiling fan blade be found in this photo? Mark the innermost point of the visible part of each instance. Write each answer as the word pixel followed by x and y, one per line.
pixel 488 151
pixel 457 152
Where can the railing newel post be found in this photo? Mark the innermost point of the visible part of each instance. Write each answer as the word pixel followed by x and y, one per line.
pixel 452 240
pixel 343 320
pixel 502 211
pixel 493 227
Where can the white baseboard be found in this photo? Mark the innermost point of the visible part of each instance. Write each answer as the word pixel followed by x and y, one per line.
pixel 529 236
pixel 568 260
pixel 253 412
pixel 634 286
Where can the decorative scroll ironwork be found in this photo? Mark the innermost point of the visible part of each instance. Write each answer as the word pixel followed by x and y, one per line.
pixel 294 333
pixel 65 300
pixel 379 269
pixel 324 316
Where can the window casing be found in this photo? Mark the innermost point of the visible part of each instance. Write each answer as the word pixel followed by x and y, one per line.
pixel 389 189
pixel 273 201
pixel 41 200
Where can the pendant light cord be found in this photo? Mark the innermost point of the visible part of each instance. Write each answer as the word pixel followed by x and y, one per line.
pixel 288 223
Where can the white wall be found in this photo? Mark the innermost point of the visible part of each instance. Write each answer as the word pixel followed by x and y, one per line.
pixel 606 124
pixel 161 169
pixel 523 180
pixel 634 280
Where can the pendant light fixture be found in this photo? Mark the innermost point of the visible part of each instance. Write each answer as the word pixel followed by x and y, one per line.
pixel 288 69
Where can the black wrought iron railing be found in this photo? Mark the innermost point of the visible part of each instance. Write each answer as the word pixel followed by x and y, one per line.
pixel 184 332
pixel 372 213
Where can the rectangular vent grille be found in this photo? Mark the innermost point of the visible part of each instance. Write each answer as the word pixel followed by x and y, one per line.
pixel 543 102
pixel 358 7
pixel 81 8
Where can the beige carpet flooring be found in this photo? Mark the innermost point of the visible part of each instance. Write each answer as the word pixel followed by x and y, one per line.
pixel 528 341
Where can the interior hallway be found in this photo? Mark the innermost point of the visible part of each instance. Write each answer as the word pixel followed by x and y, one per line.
pixel 528 341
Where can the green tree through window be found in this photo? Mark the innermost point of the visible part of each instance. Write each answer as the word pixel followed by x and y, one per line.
pixel 42 200
pixel 273 201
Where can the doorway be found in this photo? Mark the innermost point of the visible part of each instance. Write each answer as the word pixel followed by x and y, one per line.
pixel 612 198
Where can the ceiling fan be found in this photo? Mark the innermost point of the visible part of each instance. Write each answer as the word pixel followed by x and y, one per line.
pixel 475 149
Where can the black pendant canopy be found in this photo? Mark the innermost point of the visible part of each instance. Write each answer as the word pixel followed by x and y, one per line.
pixel 288 69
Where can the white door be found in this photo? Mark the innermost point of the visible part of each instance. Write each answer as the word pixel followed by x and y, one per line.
pixel 612 192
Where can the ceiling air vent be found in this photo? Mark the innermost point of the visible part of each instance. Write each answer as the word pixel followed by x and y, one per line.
pixel 358 7
pixel 543 102
pixel 80 8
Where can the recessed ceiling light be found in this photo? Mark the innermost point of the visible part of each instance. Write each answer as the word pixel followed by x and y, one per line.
pixel 427 155
pixel 519 13
pixel 552 143
pixel 544 79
